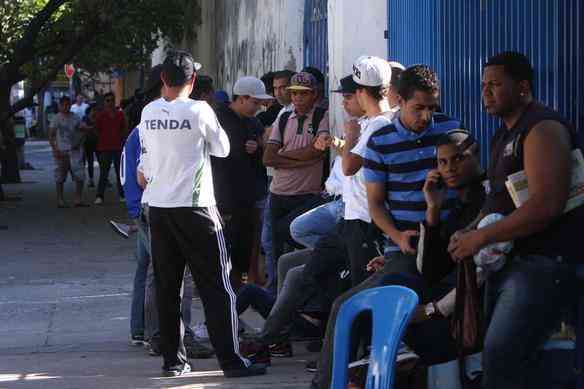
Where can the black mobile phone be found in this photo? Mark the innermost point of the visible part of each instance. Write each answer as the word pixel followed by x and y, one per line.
pixel 440 183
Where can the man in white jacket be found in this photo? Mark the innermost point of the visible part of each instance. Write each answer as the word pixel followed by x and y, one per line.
pixel 178 137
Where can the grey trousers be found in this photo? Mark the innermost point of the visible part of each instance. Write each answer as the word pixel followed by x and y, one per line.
pixel 289 261
pixel 151 309
pixel 394 263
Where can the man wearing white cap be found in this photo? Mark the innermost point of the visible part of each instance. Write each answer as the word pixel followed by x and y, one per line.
pixel 178 136
pixel 392 95
pixel 238 179
pixel 395 163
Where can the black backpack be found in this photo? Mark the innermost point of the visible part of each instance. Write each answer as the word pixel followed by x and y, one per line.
pixel 316 119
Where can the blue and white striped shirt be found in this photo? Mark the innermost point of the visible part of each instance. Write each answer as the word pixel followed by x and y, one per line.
pixel 401 159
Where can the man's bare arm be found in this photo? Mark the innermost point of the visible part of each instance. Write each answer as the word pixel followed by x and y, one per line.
pixel 351 161
pixel 272 158
pixel 306 153
pixel 548 166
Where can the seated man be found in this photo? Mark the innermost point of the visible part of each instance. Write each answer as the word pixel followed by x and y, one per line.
pixel 312 225
pixel 396 162
pixel 315 268
pixel 459 169
pixel 525 299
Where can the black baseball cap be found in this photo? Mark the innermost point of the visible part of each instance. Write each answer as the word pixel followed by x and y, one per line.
pixel 179 67
pixel 315 72
pixel 462 138
pixel 348 85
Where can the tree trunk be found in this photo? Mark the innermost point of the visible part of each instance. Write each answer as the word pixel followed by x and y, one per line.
pixel 8 153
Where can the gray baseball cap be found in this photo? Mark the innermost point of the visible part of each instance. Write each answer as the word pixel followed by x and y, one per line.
pixel 251 86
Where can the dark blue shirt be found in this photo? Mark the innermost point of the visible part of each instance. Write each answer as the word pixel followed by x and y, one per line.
pixel 129 174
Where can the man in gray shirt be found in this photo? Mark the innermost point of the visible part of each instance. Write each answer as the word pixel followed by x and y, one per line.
pixel 66 138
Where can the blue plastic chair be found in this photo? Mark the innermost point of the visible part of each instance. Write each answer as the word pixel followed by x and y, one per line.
pixel 391 308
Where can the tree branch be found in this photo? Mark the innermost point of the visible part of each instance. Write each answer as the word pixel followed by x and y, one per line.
pixel 24 48
pixel 26 45
pixel 67 54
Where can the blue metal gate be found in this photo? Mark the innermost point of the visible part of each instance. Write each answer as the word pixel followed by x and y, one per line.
pixel 456 37
pixel 316 35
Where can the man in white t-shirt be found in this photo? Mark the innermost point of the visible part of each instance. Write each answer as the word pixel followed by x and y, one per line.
pixel 178 137
pixel 370 91
pixel 80 106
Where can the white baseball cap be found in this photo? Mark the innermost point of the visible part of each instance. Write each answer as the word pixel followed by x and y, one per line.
pixel 251 86
pixel 395 64
pixel 371 71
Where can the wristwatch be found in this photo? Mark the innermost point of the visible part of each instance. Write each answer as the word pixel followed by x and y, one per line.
pixel 431 310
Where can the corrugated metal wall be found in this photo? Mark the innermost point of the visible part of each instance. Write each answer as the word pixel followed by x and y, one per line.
pixel 456 37
pixel 316 35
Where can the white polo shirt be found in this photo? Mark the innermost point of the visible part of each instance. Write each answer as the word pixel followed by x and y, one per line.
pixel 178 137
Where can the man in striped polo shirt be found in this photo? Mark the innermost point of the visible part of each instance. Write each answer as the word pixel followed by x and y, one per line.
pixel 397 159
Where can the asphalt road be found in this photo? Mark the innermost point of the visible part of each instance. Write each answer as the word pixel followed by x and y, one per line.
pixel 65 289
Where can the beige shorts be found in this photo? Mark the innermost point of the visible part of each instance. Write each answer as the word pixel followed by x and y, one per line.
pixel 70 162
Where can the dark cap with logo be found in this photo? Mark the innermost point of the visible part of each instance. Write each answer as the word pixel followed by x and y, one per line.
pixel 302 81
pixel 179 67
pixel 348 85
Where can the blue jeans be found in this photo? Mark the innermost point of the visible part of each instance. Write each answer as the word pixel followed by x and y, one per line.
pixel 266 241
pixel 309 227
pixel 259 299
pixel 523 303
pixel 139 291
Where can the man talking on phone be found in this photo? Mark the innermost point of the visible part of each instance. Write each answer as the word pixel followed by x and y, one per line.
pixel 238 179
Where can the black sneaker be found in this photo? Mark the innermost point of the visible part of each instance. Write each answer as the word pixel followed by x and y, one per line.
pixel 176 370
pixel 256 352
pixel 137 340
pixel 311 366
pixel 255 369
pixel 154 349
pixel 281 350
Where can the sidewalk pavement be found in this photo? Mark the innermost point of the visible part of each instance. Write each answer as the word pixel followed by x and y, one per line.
pixel 65 290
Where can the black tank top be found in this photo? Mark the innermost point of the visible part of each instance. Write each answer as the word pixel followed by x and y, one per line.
pixel 558 240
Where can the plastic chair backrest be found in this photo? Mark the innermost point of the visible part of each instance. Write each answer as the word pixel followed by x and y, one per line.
pixel 391 308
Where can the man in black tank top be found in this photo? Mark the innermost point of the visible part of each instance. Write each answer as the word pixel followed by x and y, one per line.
pixel 525 299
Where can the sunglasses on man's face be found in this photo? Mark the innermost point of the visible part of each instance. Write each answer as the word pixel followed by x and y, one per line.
pixel 109 100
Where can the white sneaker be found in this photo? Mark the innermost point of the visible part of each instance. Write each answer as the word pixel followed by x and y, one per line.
pixel 122 229
pixel 200 331
pixel 98 201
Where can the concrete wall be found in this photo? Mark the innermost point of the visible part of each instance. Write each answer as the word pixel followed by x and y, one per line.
pixel 245 37
pixel 354 30
pixel 254 37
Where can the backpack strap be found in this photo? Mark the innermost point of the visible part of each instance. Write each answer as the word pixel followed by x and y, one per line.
pixel 282 124
pixel 317 117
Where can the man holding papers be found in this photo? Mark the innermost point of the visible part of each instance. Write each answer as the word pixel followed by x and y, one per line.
pixel 525 299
